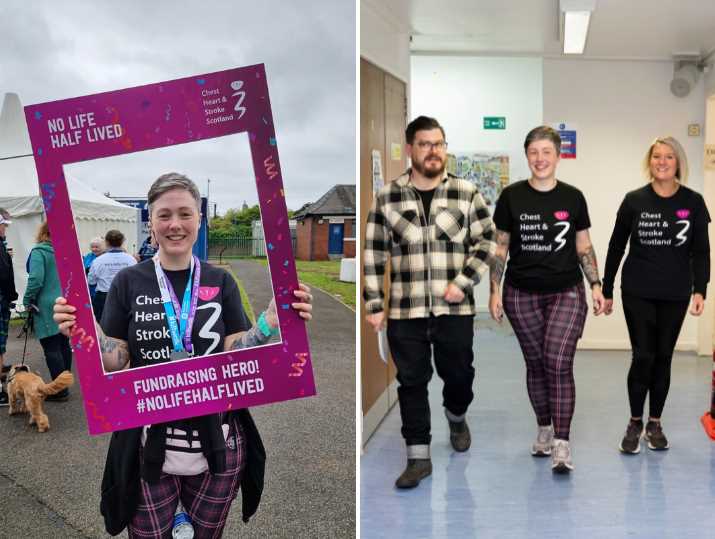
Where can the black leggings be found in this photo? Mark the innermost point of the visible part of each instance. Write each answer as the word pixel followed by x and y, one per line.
pixel 653 326
pixel 58 354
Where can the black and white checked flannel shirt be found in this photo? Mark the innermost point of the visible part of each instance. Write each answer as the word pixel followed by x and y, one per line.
pixel 453 245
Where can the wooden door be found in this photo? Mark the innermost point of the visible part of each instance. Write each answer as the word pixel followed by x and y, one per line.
pixel 382 126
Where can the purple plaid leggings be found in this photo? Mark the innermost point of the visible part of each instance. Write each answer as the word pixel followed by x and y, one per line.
pixel 548 325
pixel 206 497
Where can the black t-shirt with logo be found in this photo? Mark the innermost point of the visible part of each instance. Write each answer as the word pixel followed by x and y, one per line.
pixel 542 226
pixel 134 312
pixel 669 249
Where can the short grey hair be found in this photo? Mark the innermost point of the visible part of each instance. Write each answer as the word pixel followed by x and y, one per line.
pixel 5 213
pixel 543 132
pixel 173 180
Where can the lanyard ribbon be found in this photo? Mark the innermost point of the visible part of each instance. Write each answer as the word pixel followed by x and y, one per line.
pixel 181 331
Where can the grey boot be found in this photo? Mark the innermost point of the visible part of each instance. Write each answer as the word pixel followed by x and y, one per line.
pixel 458 431
pixel 417 469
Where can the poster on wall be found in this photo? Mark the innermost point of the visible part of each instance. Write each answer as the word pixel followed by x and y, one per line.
pixel 709 160
pixel 567 132
pixel 378 180
pixel 144 119
pixel 488 171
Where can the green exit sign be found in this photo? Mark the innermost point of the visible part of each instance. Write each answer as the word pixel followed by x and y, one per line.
pixel 494 122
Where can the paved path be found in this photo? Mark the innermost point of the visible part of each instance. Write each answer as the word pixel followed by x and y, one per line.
pixel 49 483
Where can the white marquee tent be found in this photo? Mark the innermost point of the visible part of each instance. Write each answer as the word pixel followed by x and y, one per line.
pixel 94 213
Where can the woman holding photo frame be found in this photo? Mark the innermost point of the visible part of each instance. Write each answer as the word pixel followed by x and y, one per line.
pixel 198 462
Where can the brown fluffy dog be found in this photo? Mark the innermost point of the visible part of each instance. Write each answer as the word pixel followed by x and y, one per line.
pixel 29 388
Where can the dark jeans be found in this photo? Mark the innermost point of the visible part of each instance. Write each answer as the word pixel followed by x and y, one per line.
pixel 653 326
pixel 58 354
pixel 98 304
pixel 411 343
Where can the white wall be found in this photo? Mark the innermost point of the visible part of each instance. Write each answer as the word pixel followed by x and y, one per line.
pixel 618 108
pixel 710 82
pixel 385 39
pixel 460 90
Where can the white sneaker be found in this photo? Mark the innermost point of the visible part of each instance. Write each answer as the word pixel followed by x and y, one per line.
pixel 561 457
pixel 544 439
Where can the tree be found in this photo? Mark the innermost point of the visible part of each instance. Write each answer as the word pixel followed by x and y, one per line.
pixel 234 223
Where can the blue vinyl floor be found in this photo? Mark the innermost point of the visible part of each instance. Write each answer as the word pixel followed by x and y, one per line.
pixel 498 490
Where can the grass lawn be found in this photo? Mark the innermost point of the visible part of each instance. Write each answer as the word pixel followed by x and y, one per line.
pixel 324 274
pixel 16 322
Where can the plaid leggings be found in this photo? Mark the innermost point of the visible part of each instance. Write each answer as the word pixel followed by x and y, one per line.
pixel 206 497
pixel 548 325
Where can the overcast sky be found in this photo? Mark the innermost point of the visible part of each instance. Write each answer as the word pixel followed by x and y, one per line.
pixel 56 50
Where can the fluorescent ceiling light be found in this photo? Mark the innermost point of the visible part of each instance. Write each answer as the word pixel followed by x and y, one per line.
pixel 575 31
pixel 577 15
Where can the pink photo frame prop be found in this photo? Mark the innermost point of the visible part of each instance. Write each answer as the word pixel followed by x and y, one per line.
pixel 146 118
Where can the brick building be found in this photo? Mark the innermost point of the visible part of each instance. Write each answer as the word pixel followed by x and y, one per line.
pixel 326 228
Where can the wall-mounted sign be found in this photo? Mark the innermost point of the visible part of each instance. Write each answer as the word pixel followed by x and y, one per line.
pixel 396 151
pixel 709 157
pixel 568 139
pixel 693 130
pixel 494 122
pixel 377 178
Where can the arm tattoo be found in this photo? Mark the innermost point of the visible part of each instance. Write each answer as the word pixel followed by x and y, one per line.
pixel 247 339
pixel 498 263
pixel 496 272
pixel 587 259
pixel 115 353
pixel 502 239
pixel 106 344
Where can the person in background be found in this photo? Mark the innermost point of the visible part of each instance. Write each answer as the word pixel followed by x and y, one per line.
pixel 43 287
pixel 8 295
pixel 148 249
pixel 105 267
pixel 665 225
pixel 96 248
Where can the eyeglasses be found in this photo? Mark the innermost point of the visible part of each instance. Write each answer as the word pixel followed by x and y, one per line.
pixel 425 145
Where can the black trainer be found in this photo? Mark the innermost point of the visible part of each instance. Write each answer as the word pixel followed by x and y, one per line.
pixel 654 434
pixel 416 471
pixel 631 442
pixel 4 401
pixel 459 435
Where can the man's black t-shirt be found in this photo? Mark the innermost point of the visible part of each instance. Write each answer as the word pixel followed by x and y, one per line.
pixel 542 227
pixel 669 249
pixel 134 312
pixel 427 197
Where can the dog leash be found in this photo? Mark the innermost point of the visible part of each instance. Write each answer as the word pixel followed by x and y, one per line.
pixel 27 327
